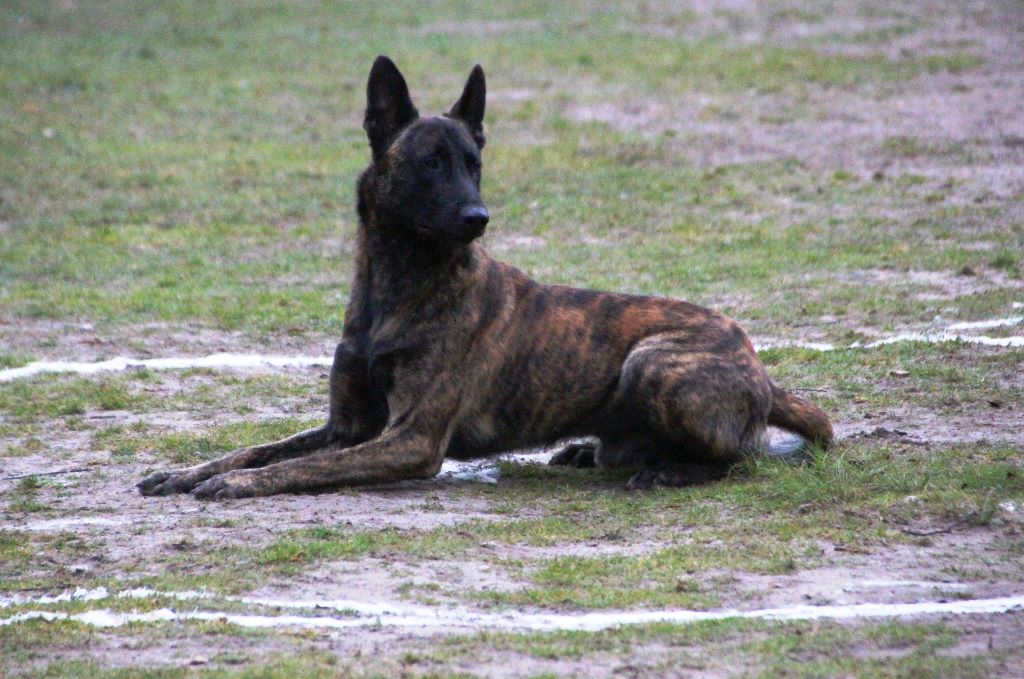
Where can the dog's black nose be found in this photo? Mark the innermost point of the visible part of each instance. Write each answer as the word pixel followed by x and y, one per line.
pixel 475 217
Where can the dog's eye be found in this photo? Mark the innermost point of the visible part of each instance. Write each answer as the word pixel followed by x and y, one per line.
pixel 472 163
pixel 432 163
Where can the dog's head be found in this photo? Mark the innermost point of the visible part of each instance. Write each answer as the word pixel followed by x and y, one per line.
pixel 426 171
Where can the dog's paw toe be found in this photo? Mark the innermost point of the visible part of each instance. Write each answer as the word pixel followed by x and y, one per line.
pixel 163 483
pixel 645 479
pixel 221 487
pixel 148 485
pixel 642 480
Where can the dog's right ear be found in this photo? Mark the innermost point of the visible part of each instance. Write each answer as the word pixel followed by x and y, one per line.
pixel 470 106
pixel 388 106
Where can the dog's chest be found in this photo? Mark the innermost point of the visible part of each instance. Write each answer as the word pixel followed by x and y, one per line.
pixel 474 436
pixel 480 429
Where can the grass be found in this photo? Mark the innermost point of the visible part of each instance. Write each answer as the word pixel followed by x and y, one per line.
pixel 25 496
pixel 53 397
pixel 15 548
pixel 766 648
pixel 780 649
pixel 179 178
pixel 769 518
pixel 12 360
pixel 189 448
pixel 66 401
pixel 306 666
pixel 947 378
pixel 290 288
pixel 161 189
pixel 915 650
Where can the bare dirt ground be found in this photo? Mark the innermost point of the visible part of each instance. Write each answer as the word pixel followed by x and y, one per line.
pixel 841 131
pixel 129 538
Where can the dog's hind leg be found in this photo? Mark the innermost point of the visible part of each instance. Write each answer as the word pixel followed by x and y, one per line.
pixel 352 419
pixel 705 409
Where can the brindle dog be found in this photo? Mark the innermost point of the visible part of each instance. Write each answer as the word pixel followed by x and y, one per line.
pixel 447 352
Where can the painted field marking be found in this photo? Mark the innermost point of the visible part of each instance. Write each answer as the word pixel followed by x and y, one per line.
pixel 365 614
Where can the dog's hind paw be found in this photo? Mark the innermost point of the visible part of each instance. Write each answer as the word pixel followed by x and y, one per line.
pixel 645 479
pixel 579 455
pixel 677 476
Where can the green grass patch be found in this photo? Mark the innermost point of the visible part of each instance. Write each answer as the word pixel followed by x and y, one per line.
pixel 189 447
pixel 768 517
pixel 200 183
pixel 28 446
pixel 8 360
pixel 563 645
pixel 950 377
pixel 820 649
pixel 27 561
pixel 895 649
pixel 15 547
pixel 25 496
pixel 65 402
pixel 52 396
pixel 307 665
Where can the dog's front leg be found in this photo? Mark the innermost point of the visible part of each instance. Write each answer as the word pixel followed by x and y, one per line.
pixel 422 414
pixel 399 453
pixel 352 419
pixel 184 480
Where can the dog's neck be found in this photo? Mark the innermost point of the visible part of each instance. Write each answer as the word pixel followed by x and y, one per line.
pixel 395 266
pixel 405 262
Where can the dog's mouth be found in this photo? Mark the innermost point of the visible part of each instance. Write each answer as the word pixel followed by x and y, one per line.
pixel 459 232
pixel 455 234
pixel 465 234
pixel 467 225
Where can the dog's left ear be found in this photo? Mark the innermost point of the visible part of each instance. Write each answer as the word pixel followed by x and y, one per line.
pixel 470 106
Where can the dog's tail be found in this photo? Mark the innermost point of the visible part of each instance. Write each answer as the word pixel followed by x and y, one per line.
pixel 796 415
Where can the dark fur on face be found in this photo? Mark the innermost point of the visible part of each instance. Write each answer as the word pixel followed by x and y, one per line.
pixel 426 171
pixel 447 352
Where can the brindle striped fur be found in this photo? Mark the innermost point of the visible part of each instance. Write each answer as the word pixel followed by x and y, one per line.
pixel 449 352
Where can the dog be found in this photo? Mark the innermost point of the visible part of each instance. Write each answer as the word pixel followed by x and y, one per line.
pixel 449 353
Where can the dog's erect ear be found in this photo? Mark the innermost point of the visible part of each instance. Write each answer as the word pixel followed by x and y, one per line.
pixel 470 106
pixel 388 106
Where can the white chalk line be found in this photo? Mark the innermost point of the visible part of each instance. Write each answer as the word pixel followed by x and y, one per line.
pixel 69 522
pixel 121 363
pixel 363 614
pixel 940 337
pixel 984 325
pixel 240 361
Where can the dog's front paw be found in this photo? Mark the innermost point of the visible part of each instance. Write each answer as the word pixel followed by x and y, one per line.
pixel 227 486
pixel 166 483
